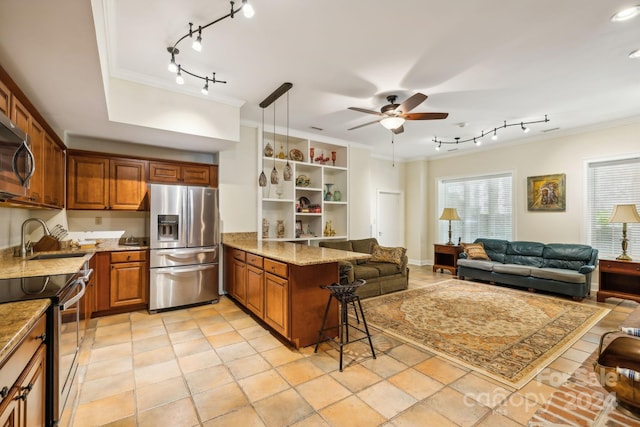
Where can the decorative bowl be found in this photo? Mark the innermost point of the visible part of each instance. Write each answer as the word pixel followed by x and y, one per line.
pixel 303 181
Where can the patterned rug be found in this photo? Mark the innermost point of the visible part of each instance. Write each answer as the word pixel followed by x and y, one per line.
pixel 506 334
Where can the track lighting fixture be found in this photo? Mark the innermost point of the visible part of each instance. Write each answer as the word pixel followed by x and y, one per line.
pixel 174 67
pixel 478 139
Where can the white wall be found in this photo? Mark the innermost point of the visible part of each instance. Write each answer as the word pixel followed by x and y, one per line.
pixel 360 195
pixel 10 221
pixel 563 154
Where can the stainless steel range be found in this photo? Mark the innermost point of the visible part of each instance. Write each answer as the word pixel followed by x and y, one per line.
pixel 184 243
pixel 65 327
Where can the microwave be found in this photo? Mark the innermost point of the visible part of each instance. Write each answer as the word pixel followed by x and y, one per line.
pixel 16 160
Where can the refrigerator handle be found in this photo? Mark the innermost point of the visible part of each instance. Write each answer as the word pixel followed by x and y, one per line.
pixel 182 270
pixel 173 253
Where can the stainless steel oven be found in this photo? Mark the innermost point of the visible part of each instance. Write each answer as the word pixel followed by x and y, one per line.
pixel 65 333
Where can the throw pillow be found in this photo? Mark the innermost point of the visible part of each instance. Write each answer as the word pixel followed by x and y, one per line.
pixel 475 251
pixel 385 254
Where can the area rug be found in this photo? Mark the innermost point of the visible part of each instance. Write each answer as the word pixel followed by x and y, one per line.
pixel 506 334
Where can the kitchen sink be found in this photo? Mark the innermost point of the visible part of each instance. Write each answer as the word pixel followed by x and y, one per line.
pixel 58 255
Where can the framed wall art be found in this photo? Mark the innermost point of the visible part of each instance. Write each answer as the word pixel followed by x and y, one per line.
pixel 547 193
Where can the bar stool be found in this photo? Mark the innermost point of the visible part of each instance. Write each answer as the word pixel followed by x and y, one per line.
pixel 344 294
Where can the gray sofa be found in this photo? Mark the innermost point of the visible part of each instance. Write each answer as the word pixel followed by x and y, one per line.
pixel 381 277
pixel 555 267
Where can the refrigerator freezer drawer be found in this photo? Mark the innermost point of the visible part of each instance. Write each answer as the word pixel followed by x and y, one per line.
pixel 178 286
pixel 178 257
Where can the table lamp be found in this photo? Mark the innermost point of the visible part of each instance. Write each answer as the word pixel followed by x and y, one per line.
pixel 624 214
pixel 450 214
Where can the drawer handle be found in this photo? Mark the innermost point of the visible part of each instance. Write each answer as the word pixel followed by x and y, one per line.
pixel 42 337
pixel 4 392
pixel 25 391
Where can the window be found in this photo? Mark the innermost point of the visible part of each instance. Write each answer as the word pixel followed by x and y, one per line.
pixel 484 204
pixel 612 183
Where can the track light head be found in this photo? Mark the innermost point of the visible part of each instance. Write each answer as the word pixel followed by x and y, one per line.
pixel 247 9
pixel 494 137
pixel 524 129
pixel 205 88
pixel 179 78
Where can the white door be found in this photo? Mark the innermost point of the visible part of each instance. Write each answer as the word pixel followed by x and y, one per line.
pixel 390 220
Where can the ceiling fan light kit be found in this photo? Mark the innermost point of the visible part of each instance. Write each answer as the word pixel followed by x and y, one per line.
pixel 478 139
pixel 392 122
pixel 178 69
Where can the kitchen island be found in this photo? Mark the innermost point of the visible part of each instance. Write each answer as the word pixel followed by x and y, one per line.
pixel 279 283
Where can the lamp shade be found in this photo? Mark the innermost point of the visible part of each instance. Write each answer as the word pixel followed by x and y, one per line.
pixel 392 122
pixel 450 214
pixel 624 213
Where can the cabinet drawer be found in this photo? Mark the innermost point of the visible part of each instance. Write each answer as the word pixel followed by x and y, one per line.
pixel 128 256
pixel 275 267
pixel 238 254
pixel 254 260
pixel 16 363
pixel 631 268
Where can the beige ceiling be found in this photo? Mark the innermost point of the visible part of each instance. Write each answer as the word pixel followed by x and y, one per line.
pixel 482 62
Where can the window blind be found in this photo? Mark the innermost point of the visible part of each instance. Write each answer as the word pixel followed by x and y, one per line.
pixel 484 204
pixel 612 183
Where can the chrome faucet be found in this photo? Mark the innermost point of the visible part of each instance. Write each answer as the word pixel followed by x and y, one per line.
pixel 23 248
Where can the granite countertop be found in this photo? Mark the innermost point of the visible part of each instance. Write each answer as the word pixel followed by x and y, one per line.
pixel 16 318
pixel 12 267
pixel 292 253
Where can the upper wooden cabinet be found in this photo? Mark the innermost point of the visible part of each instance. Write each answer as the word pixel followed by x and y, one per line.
pixel 5 99
pixel 95 182
pixel 183 173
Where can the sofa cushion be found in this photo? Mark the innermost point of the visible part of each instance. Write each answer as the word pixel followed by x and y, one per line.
pixel 363 271
pixel 517 269
pixel 385 268
pixel 476 263
pixel 364 246
pixel 344 245
pixel 567 256
pixel 387 254
pixel 475 251
pixel 495 248
pixel 525 253
pixel 559 274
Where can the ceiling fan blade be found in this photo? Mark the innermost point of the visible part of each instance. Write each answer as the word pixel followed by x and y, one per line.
pixel 366 124
pixel 362 110
pixel 398 130
pixel 411 103
pixel 425 116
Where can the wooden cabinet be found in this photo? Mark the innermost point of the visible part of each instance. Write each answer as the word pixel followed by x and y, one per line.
pixel 96 182
pixel 176 173
pixel 619 279
pixel 445 257
pixel 23 381
pixel 276 303
pixel 36 190
pixel 5 104
pixel 122 282
pixel 238 275
pixel 255 285
pixel 53 171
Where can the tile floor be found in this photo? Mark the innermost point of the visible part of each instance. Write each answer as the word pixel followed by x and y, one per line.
pixel 214 365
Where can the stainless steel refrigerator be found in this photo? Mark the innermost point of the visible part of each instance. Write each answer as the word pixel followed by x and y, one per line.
pixel 184 240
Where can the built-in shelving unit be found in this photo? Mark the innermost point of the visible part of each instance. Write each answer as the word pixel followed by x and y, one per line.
pixel 294 202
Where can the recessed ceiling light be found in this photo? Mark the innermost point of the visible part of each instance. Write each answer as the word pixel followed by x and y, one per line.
pixel 626 14
pixel 635 54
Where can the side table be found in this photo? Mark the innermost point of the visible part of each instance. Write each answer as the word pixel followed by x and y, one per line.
pixel 619 279
pixel 445 257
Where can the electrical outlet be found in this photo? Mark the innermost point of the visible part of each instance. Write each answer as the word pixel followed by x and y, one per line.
pixel 98 220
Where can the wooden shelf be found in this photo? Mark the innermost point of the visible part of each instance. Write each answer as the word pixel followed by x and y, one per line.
pixel 619 279
pixel 445 257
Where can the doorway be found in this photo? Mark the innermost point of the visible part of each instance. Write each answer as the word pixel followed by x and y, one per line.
pixel 390 218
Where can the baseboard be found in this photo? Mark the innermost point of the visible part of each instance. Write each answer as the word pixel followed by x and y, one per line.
pixel 420 263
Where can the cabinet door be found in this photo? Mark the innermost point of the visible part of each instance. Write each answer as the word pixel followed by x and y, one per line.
pixel 10 409
pixel 5 100
pixel 197 175
pixel 240 281
pixel 276 303
pixel 127 184
pixel 128 284
pixel 255 290
pixel 102 274
pixel 32 389
pixel 164 172
pixel 36 183
pixel 20 115
pixel 88 182
pixel 53 173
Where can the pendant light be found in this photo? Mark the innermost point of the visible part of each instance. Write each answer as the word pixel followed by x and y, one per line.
pixel 262 181
pixel 287 172
pixel 275 179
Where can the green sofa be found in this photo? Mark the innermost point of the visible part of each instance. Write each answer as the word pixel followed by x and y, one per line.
pixel 381 277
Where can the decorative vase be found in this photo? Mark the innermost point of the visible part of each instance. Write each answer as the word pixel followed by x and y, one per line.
pixel 280 228
pixel 268 150
pixel 265 228
pixel 328 195
pixel 337 195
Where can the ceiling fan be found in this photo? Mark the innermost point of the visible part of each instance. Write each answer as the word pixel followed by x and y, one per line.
pixel 392 116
